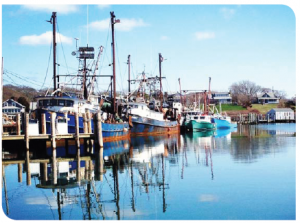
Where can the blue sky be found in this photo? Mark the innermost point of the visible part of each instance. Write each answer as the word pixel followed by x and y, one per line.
pixel 228 43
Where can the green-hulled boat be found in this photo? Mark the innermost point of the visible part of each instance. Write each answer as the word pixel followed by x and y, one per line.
pixel 195 121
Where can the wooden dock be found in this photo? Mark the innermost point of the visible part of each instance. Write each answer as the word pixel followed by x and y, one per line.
pixel 254 119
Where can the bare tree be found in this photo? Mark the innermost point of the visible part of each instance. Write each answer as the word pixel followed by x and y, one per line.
pixel 280 94
pixel 244 92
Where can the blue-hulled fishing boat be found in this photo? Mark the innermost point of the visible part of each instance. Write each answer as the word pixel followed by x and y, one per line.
pixel 65 105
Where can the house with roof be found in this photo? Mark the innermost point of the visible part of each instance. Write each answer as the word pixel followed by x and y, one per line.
pixel 221 97
pixel 281 114
pixel 11 108
pixel 267 98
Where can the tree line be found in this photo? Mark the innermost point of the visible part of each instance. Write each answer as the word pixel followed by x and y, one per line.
pixel 245 92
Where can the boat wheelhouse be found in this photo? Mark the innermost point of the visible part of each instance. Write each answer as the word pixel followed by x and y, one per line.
pixel 197 121
pixel 144 121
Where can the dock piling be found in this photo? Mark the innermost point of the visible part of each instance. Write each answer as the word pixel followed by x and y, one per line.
pixel 43 120
pixel 28 173
pixel 53 140
pixel 77 139
pixel 18 124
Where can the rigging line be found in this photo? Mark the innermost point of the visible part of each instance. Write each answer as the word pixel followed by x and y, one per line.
pixel 119 67
pixel 12 80
pixel 19 76
pixel 23 78
pixel 62 48
pixel 47 66
pixel 155 67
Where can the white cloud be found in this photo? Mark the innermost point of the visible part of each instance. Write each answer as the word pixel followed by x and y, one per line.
pixel 100 25
pixel 164 38
pixel 204 35
pixel 43 39
pixel 124 25
pixel 103 6
pixel 227 13
pixel 63 9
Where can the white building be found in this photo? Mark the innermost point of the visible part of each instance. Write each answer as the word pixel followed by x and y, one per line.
pixel 281 114
pixel 11 108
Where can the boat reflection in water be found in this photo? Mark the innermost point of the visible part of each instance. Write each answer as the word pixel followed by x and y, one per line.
pixel 141 178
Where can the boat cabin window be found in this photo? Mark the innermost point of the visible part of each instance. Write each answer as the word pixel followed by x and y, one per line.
pixel 55 102
pixel 202 117
pixel 69 103
pixel 195 117
pixel 61 102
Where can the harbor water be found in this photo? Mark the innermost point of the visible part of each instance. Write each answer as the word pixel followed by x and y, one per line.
pixel 248 173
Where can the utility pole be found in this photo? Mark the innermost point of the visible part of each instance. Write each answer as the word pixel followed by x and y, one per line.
pixel 128 62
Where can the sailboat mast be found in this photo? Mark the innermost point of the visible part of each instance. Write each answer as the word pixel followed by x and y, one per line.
pixel 53 21
pixel 160 90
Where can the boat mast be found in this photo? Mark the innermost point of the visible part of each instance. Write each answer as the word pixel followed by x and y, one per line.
pixel 209 93
pixel 180 92
pixel 205 105
pixel 113 21
pixel 53 22
pixel 128 62
pixel 160 95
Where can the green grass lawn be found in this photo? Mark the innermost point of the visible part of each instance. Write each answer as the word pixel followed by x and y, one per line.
pixel 263 109
pixel 229 107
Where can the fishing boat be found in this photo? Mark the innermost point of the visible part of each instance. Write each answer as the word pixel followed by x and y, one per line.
pixel 222 120
pixel 146 121
pixel 197 121
pixel 65 104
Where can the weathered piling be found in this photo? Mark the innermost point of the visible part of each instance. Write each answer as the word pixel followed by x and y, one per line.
pixel 20 172
pixel 5 189
pixel 99 169
pixel 89 122
pixel 77 140
pixel 85 125
pixel 99 130
pixel 86 169
pixel 18 132
pixel 43 123
pixel 53 144
pixel 28 173
pixel 45 172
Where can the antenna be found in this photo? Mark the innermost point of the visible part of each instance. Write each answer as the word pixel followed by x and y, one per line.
pixel 87 25
pixel 76 41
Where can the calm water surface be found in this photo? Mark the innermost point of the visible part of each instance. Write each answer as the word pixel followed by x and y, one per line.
pixel 246 174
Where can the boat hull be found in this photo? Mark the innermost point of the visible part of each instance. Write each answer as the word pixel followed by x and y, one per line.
pixel 147 126
pixel 199 126
pixel 224 124
pixel 110 131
